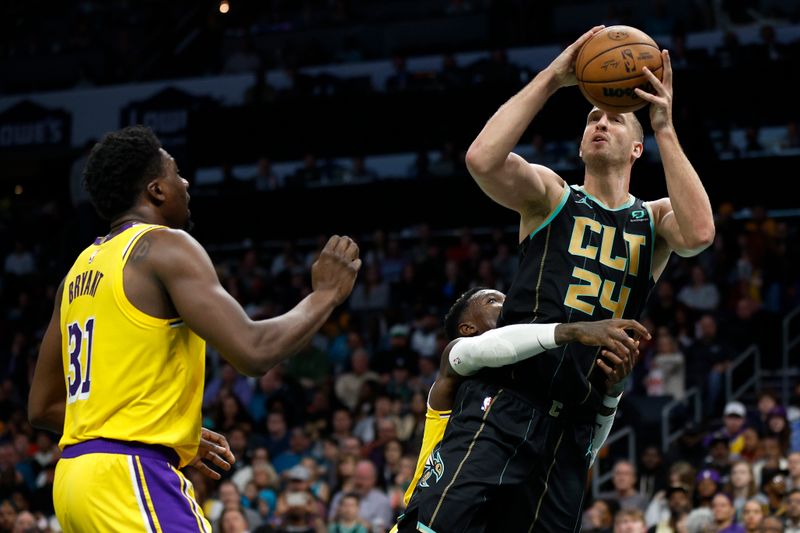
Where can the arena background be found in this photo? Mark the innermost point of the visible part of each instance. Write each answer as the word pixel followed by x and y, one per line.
pixel 296 120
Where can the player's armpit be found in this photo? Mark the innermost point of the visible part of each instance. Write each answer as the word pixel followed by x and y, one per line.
pixel 518 185
pixel 48 396
pixel 666 226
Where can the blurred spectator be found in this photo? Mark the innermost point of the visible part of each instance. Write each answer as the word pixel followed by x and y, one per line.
pixel 299 447
pixel 778 427
pixel 375 508
pixel 766 401
pixel 772 461
pixel 259 461
pixel 276 441
pixel 371 293
pixel 700 521
pixel 346 519
pixel 701 295
pixel 793 466
pixel 667 375
pixel 752 515
pixel 708 356
pixel 652 472
pixel 233 520
pixel 297 509
pixel 792 519
pixel 742 487
pixel 229 381
pixel 348 385
pixel 229 498
pixel 771 524
pixel 724 514
pixel 707 484
pixel 367 428
pixel 775 489
pixel 8 515
pixel 719 456
pixel 679 504
pixel 599 517
pixel 625 492
pixel 629 521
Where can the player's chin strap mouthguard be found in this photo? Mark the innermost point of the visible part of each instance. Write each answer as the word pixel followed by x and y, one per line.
pixel 501 347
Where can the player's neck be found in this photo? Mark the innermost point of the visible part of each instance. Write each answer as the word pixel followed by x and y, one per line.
pixel 610 186
pixel 137 215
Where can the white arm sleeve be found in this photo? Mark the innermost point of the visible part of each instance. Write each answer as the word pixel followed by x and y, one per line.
pixel 603 426
pixel 501 346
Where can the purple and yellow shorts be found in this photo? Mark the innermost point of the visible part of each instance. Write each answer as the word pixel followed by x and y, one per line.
pixel 109 485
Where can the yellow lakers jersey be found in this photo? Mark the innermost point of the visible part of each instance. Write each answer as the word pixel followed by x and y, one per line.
pixel 129 376
pixel 427 463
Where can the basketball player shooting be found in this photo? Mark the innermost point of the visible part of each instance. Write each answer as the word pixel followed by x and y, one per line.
pixel 588 252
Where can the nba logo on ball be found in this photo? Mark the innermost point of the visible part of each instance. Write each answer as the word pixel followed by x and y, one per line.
pixel 611 88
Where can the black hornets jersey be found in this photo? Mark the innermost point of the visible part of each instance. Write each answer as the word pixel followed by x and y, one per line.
pixel 585 262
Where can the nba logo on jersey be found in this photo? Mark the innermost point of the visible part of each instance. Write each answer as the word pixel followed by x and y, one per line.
pixel 434 466
pixel 486 403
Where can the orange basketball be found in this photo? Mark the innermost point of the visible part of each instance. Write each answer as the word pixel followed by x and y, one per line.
pixel 609 67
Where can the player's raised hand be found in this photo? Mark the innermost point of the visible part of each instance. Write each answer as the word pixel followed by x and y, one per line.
pixel 214 448
pixel 661 102
pixel 336 268
pixel 563 66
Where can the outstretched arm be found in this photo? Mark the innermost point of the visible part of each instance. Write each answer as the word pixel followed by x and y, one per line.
pixel 504 176
pixel 182 266
pixel 684 220
pixel 517 342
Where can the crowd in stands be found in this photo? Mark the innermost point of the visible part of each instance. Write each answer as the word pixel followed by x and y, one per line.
pixel 328 440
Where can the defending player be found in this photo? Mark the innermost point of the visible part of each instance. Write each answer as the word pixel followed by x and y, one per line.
pixel 476 312
pixel 587 253
pixel 121 365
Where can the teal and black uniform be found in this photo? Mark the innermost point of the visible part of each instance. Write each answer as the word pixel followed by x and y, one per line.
pixel 515 455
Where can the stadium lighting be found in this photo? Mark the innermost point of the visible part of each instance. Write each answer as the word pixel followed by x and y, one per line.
pixel 224 6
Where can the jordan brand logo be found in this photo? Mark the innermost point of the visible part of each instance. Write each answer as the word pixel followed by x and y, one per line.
pixel 584 200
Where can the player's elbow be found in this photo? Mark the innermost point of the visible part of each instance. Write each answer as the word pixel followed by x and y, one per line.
pixel 703 237
pixel 478 160
pixel 40 417
pixel 253 364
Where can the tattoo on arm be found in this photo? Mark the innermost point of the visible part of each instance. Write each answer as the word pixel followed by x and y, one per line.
pixel 142 249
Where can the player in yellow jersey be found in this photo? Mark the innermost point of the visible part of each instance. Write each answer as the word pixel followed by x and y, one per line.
pixel 473 314
pixel 121 366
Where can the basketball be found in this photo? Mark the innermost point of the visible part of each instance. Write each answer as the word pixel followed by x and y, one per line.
pixel 609 68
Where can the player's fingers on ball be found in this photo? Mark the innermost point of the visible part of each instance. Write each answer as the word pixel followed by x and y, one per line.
pixel 644 95
pixel 667 69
